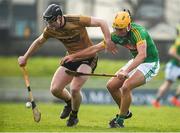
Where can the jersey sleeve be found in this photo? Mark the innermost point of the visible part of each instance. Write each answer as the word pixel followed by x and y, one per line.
pixel 46 34
pixel 85 21
pixel 139 36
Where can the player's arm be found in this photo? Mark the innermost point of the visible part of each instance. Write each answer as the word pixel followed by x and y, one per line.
pixel 141 48
pixel 97 22
pixel 88 52
pixel 173 52
pixel 34 46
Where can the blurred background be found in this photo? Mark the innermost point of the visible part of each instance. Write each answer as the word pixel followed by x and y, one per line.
pixel 21 22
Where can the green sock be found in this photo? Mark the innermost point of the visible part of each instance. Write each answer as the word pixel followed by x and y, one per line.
pixel 120 119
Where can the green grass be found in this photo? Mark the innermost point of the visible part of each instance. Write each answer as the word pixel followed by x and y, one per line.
pixel 46 66
pixel 10 83
pixel 41 70
pixel 38 66
pixel 93 118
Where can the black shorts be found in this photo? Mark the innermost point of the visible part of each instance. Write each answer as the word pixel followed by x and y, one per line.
pixel 92 62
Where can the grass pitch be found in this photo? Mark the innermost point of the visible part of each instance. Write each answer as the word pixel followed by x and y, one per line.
pixel 41 70
pixel 93 118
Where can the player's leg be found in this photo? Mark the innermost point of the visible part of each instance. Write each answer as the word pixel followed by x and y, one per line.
pixel 115 83
pixel 174 100
pixel 134 81
pixel 163 88
pixel 86 66
pixel 58 84
pixel 137 79
pixel 77 84
pixel 75 87
pixel 144 73
pixel 161 91
pixel 178 92
pixel 171 74
pixel 113 86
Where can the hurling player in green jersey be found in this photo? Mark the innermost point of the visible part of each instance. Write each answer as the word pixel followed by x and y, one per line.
pixel 172 72
pixel 140 69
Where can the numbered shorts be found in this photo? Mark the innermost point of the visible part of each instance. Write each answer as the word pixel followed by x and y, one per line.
pixel 172 72
pixel 149 69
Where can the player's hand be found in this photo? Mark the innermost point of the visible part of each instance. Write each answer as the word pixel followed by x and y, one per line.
pixel 22 61
pixel 111 47
pixel 122 75
pixel 68 58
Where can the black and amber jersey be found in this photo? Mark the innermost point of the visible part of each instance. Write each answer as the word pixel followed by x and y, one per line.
pixel 73 34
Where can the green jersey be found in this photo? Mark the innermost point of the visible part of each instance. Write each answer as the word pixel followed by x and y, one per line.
pixel 177 48
pixel 136 36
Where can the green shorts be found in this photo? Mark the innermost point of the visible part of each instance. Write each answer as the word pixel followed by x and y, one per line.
pixel 149 69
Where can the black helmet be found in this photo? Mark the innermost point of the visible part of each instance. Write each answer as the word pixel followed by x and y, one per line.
pixel 52 12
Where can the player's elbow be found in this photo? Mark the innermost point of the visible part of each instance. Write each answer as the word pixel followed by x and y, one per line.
pixel 40 40
pixel 101 23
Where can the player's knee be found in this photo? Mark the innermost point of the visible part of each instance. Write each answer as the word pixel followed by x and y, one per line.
pixel 54 90
pixel 109 86
pixel 75 92
pixel 75 88
pixel 125 89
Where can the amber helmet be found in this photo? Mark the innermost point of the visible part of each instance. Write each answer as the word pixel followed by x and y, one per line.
pixel 122 20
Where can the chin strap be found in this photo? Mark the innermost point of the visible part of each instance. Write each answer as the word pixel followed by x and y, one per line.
pixel 129 27
pixel 61 21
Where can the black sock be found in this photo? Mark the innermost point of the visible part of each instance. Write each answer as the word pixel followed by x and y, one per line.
pixel 74 113
pixel 68 102
pixel 127 112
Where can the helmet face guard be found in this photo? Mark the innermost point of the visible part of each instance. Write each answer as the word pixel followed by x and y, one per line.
pixel 51 13
pixel 49 19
